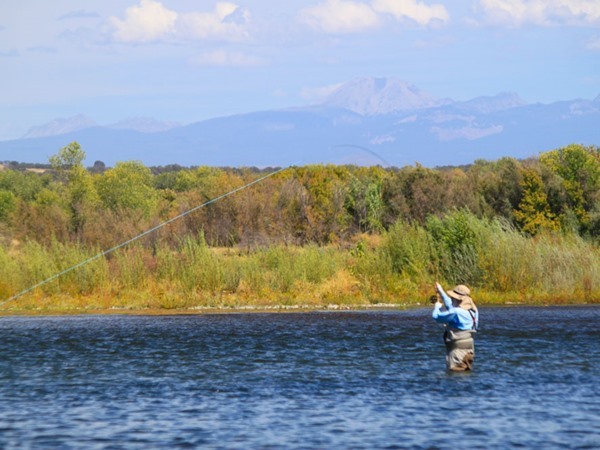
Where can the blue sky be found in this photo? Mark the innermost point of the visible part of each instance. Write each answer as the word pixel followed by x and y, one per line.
pixel 189 60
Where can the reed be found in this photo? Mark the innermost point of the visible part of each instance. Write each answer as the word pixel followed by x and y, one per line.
pixel 454 239
pixel 565 266
pixel 505 258
pixel 10 272
pixel 408 250
pixel 398 266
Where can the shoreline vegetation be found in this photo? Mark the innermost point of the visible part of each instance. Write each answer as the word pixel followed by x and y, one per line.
pixel 308 238
pixel 195 278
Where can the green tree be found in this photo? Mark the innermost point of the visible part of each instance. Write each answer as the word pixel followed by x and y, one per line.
pixel 24 185
pixel 365 200
pixel 128 187
pixel 72 155
pixel 202 179
pixel 322 202
pixel 579 168
pixel 498 183
pixel 425 192
pixel 8 204
pixel 78 186
pixel 396 205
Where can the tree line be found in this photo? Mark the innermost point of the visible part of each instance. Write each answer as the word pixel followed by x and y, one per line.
pixel 515 230
pixel 321 204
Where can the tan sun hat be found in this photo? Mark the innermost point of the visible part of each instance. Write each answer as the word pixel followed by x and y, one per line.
pixel 463 294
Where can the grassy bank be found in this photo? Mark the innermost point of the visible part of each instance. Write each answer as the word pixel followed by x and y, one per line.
pixel 397 267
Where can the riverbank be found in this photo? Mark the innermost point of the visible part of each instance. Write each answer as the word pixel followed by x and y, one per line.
pixel 71 306
pixel 398 267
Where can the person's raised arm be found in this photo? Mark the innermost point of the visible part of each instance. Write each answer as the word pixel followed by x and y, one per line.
pixel 445 298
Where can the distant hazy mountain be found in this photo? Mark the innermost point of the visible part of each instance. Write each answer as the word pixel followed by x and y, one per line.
pixel 80 122
pixel 366 121
pixel 485 105
pixel 143 125
pixel 376 96
pixel 60 126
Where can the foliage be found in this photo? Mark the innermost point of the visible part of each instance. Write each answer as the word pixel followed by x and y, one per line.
pixel 128 186
pixel 454 239
pixel 68 157
pixel 24 185
pixel 8 204
pixel 579 169
pixel 309 234
pixel 79 190
pixel 408 248
pixel 533 213
pixel 499 185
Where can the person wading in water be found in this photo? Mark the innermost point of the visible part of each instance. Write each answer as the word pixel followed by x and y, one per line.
pixel 461 319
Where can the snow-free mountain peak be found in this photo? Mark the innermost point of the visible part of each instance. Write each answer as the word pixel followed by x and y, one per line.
pixel 367 116
pixel 489 104
pixel 60 126
pixel 80 122
pixel 376 96
pixel 143 125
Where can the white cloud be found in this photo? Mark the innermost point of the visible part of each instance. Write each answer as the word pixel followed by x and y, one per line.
pixel 346 16
pixel 540 12
pixel 340 16
pixel 226 22
pixel 223 58
pixel 420 12
pixel 150 21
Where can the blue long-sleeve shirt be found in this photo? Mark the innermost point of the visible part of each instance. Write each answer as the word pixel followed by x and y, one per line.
pixel 458 318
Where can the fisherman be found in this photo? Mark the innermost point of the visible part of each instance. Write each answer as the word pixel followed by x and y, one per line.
pixel 461 318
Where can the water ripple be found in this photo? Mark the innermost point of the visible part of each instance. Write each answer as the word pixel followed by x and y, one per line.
pixel 317 380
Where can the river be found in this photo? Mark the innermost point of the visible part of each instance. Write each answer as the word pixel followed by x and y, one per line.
pixel 327 380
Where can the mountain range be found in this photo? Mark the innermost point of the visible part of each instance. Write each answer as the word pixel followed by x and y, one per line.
pixel 382 121
pixel 81 122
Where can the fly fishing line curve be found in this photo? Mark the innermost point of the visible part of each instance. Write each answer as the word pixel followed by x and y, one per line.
pixel 141 235
pixel 163 224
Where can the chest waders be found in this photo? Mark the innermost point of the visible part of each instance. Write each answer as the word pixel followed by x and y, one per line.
pixel 460 347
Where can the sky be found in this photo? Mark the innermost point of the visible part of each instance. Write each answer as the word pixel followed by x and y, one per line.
pixel 191 60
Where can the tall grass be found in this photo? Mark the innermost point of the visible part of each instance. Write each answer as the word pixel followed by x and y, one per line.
pixel 566 266
pixel 505 258
pixel 398 266
pixel 33 263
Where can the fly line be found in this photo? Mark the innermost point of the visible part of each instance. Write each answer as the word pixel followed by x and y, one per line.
pixel 141 235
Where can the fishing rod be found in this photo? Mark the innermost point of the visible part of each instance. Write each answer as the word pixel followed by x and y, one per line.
pixel 141 235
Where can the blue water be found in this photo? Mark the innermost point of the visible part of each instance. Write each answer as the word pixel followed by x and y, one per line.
pixel 327 380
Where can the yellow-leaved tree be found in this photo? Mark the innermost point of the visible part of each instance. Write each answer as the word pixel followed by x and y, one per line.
pixel 533 213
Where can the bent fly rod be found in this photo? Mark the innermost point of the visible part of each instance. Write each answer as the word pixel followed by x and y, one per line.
pixel 141 235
